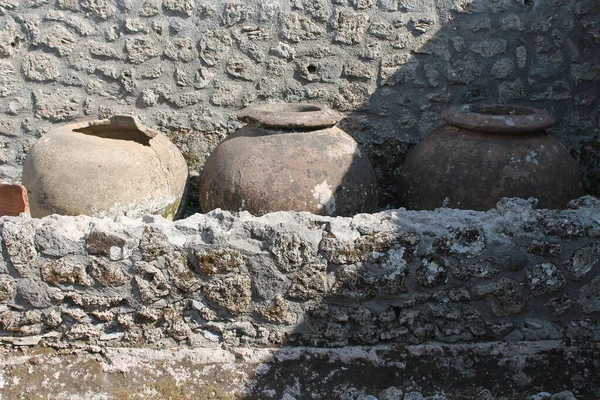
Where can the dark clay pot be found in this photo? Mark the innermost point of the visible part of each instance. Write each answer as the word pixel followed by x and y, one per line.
pixel 488 152
pixel 289 157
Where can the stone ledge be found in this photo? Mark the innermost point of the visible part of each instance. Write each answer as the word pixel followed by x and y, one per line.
pixel 403 277
pixel 500 369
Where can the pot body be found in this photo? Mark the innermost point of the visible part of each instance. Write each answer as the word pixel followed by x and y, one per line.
pixel 473 167
pixel 105 168
pixel 266 169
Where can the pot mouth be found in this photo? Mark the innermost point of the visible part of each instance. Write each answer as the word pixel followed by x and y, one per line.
pixel 118 127
pixel 500 118
pixel 305 116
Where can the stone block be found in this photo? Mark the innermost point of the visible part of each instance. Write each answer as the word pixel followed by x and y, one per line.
pixel 11 38
pixel 232 292
pixel 59 39
pixel 100 9
pixel 182 49
pixel 60 105
pixel 297 28
pixel 489 47
pixel 40 67
pixel 241 68
pixel 182 7
pixel 107 274
pixel 589 296
pixel 9 81
pixel 7 289
pixel 350 27
pixel 214 45
pixel 66 271
pixel 583 261
pixel 544 278
pixel 140 49
pixel 464 70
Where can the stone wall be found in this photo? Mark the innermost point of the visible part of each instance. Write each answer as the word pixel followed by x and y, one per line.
pixel 513 273
pixel 186 66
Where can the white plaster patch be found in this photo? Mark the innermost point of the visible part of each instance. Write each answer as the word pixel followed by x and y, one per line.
pixel 531 157
pixel 323 194
pixel 348 149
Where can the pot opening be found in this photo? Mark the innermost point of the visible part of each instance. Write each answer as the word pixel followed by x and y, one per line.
pixel 290 116
pixel 119 127
pixel 299 108
pixel 499 109
pixel 498 118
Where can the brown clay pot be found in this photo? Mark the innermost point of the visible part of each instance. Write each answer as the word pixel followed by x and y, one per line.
pixel 105 168
pixel 487 152
pixel 289 157
pixel 13 200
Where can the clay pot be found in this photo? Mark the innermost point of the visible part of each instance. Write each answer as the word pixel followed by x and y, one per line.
pixel 105 168
pixel 289 157
pixel 13 200
pixel 488 152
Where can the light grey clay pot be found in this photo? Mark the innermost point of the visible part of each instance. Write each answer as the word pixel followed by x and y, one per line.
pixel 103 168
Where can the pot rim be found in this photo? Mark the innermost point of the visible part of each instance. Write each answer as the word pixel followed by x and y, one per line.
pixel 290 116
pixel 499 118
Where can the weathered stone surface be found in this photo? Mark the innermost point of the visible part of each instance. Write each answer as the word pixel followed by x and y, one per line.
pixel 9 82
pixel 34 292
pixel 215 261
pixel 391 66
pixel 350 27
pixel 7 288
pixel 463 71
pixel 10 37
pixel 234 293
pixel 107 274
pixel 65 271
pixel 151 282
pixel 40 67
pixel 57 106
pixel 584 260
pixel 432 273
pixel 367 279
pixel 141 49
pixel 185 7
pixel 589 296
pixel 297 28
pixel 18 240
pixel 544 278
pixel 505 297
pixel 214 45
pixel 241 68
pixel 101 9
pixel 181 50
pixel 489 47
pixel 81 26
pixel 59 39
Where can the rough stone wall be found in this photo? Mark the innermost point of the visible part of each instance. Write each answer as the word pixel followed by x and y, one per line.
pixel 186 67
pixel 400 277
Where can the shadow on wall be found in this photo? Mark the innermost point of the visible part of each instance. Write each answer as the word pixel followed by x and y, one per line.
pixel 530 53
pixel 412 299
pixel 525 53
pixel 395 70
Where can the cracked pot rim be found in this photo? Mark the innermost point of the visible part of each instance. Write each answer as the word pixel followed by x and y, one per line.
pixel 305 116
pixel 498 118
